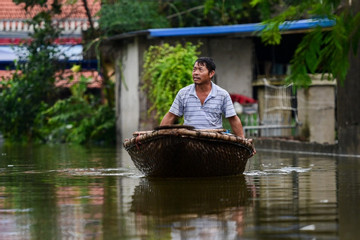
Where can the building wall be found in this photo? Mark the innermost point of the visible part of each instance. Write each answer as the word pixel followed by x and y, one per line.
pixel 128 103
pixel 233 58
pixel 234 65
pixel 316 111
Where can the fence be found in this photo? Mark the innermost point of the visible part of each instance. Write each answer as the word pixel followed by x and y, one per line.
pixel 279 114
pixel 72 26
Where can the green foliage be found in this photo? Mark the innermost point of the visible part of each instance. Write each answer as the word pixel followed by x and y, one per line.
pixel 167 69
pixel 306 61
pixel 320 51
pixel 228 12
pixel 27 100
pixel 17 109
pixel 78 119
pixel 265 7
pixel 75 120
pixel 271 35
pixel 32 87
pixel 54 5
pixel 125 16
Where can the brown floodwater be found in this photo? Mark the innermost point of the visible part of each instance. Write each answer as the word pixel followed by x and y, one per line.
pixel 73 192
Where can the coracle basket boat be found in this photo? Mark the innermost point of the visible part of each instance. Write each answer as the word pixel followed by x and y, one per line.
pixel 182 151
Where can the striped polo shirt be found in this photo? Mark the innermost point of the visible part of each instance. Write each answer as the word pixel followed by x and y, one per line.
pixel 206 116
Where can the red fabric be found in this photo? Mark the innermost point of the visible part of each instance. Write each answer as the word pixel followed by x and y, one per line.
pixel 242 99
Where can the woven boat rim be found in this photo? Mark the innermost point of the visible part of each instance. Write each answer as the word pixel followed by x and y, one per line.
pixel 182 132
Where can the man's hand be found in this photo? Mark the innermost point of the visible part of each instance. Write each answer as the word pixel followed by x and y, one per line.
pixel 254 152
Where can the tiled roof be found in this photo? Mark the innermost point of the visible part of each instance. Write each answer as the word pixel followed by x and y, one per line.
pixel 6 75
pixel 73 18
pixel 63 81
pixel 9 10
pixel 61 41
pixel 95 82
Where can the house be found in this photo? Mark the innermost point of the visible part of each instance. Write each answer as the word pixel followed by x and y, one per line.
pixel 73 20
pixel 242 62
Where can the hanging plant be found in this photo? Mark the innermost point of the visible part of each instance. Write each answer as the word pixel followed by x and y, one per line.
pixel 167 69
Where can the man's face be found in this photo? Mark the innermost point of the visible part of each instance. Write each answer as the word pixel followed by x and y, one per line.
pixel 201 74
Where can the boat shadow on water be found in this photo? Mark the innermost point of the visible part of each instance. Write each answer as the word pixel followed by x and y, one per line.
pixel 174 197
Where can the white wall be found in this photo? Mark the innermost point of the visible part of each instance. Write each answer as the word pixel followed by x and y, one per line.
pixel 316 111
pixel 129 97
pixel 233 59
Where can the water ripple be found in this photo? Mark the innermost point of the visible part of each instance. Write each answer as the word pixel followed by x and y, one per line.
pixel 122 172
pixel 284 170
pixel 15 210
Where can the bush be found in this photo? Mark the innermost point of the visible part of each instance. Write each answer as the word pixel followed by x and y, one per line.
pixel 80 119
pixel 167 69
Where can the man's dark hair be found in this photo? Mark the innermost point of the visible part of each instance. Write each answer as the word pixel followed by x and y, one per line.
pixel 208 62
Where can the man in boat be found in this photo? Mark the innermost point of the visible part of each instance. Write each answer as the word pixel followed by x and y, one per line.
pixel 203 102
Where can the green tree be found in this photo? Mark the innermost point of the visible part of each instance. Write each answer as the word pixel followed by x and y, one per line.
pixel 118 16
pixel 29 102
pixel 333 51
pixel 32 86
pixel 320 51
pixel 81 118
pixel 126 16
pixel 227 12
pixel 167 69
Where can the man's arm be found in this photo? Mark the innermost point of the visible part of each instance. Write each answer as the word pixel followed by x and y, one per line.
pixel 236 126
pixel 168 119
pixel 238 130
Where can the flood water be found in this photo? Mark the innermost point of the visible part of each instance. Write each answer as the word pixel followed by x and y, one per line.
pixel 72 192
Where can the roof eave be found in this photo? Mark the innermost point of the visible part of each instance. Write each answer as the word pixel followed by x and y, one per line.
pixel 238 30
pixel 128 35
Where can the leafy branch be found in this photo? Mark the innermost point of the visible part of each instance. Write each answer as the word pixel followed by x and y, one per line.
pixel 166 70
pixel 321 50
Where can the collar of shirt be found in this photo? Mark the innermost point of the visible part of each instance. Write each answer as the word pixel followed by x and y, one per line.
pixel 212 93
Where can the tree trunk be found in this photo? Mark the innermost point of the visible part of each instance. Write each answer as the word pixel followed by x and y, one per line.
pixel 88 14
pixel 348 103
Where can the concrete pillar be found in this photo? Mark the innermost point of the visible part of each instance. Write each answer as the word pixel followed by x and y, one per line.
pixel 316 111
pixel 127 91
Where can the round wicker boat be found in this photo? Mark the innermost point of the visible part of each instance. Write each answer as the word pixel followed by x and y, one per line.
pixel 181 151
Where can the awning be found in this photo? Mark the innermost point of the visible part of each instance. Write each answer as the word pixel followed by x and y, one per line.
pixel 238 29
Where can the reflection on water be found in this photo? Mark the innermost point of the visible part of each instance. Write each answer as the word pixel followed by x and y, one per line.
pixel 189 196
pixel 212 207
pixel 69 192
